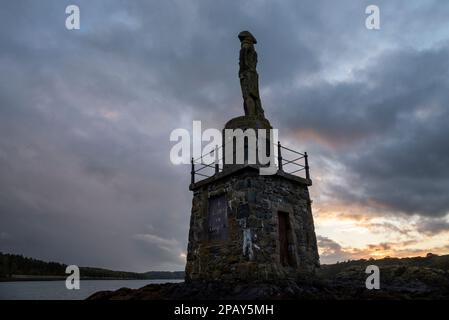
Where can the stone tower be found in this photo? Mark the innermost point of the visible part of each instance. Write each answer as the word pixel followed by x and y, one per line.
pixel 245 225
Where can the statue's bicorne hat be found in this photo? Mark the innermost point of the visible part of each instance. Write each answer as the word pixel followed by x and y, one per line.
pixel 246 35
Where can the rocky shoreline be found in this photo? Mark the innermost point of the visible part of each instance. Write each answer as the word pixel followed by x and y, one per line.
pixel 397 283
pixel 400 279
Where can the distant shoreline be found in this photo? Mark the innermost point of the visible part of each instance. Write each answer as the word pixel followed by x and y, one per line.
pixel 63 278
pixel 16 268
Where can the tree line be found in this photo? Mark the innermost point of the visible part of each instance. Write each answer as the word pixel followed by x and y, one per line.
pixel 13 264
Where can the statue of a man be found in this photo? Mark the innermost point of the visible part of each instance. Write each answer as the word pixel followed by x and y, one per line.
pixel 249 79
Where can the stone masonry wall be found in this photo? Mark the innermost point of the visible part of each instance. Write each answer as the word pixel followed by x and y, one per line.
pixel 251 250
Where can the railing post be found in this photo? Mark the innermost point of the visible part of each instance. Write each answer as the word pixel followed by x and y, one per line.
pixel 306 160
pixel 192 172
pixel 279 156
pixel 217 168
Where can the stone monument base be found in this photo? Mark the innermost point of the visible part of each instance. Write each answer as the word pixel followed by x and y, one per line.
pixel 251 227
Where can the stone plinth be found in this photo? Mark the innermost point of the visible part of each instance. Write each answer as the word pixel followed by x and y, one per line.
pixel 247 122
pixel 251 227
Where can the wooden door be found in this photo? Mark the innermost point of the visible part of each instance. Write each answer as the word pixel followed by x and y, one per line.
pixel 283 228
pixel 218 218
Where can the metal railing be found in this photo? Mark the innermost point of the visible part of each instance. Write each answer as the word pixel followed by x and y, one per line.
pixel 293 163
pixel 288 160
pixel 214 165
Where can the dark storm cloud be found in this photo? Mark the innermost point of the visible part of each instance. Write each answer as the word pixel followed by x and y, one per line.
pixel 433 227
pixel 85 116
pixel 331 251
pixel 388 130
pixel 396 84
pixel 386 126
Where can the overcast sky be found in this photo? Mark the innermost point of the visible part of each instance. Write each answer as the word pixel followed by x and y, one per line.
pixel 85 119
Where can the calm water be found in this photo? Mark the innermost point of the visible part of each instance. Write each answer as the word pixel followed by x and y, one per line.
pixel 56 290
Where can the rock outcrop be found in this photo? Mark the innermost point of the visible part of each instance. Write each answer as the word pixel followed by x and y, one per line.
pixel 411 278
